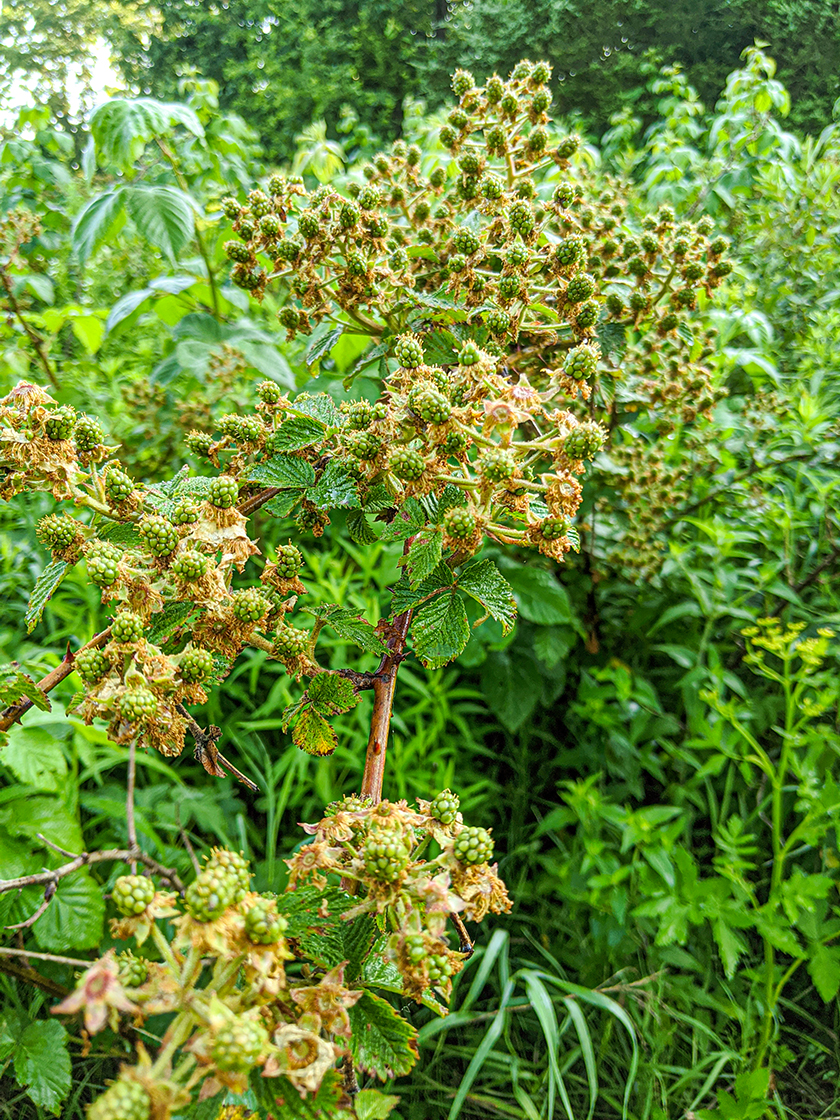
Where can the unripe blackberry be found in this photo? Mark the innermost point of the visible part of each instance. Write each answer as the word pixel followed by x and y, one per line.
pixel 470 163
pixel 276 183
pixel 289 641
pixel 231 208
pixel 364 445
pixel 158 534
pixel 615 304
pixel 223 492
pixel 525 188
pixel 385 855
pixel 537 140
pixel 564 194
pixel 196 664
pixel 492 187
pixel 132 894
pixel 289 318
pixel 587 316
pixel 554 528
pixel 357 265
pixel 198 442
pixel 236 866
pixel 348 215
pixel 456 443
pixel 288 562
pixel 415 947
pixel 259 203
pixel 236 251
pixel 437 177
pixel 190 565
pixel 270 226
pixel 465 241
pixel 539 103
pixel 439 968
pixel 668 322
pixel 584 441
pixel 497 464
pixel 521 217
pixel 247 278
pixel 249 605
pixel 407 464
pixel 473 845
pixel 445 806
pixel 246 227
pixel 685 297
pixel 581 362
pixel 637 266
pixel 368 197
pixel 429 404
pixel 309 224
pixel 88 433
pixel 377 226
pixel 509 287
pixel 91 664
pixel 517 256
pixel 288 250
pixel 469 355
pixel 124 1100
pixel 568 146
pixel 718 246
pixel 693 271
pixel 263 925
pixel 705 225
pixel 457 262
pixel 210 894
pixel 382 163
pixel 462 82
pixel 127 627
pixel 311 521
pixel 458 118
pixel 459 523
pixel 509 104
pixel 721 269
pixel 494 89
pixel 580 288
pixel 638 300
pixel 522 70
pixel 186 512
pixel 570 251
pixel 133 971
pixel 138 705
pixel 413 155
pixel 118 485
pixel 498 321
pixel 665 215
pixel 239 1045
pixel 269 392
pixel 60 423
pixel 102 561
pixel 422 210
pixel 408 351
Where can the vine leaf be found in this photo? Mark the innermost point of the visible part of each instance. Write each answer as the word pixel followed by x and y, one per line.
pixel 408 520
pixel 484 582
pixel 281 1098
pixel 330 693
pixel 371 1104
pixel 407 597
pixel 42 592
pixel 321 346
pixel 359 528
pixel 440 630
pixel 382 1043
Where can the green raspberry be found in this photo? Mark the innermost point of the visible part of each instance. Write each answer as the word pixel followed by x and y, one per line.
pixel 88 434
pixel 91 664
pixel 210 894
pixel 60 423
pixel 124 1100
pixel 186 512
pixel 408 351
pixel 581 362
pixel 289 561
pixel 554 528
pixel 158 534
pixel 127 627
pixel 196 664
pixel 459 523
pixel 238 1046
pixel 118 485
pixel 132 894
pixel 429 404
pixel 263 925
pixel 407 464
pixel 190 565
pixel 235 866
pixel 58 533
pixel 466 242
pixel 249 605
pixel 385 855
pixel 497 464
pixel 133 971
pixel 138 705
pixel 289 642
pixel 236 251
pixel 364 445
pixel 473 845
pixel 223 492
pixel 102 561
pixel 445 807
pixel 580 288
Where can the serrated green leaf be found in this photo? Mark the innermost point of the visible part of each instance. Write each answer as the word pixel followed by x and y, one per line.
pixel 283 504
pixel 440 630
pixel 44 816
pixel 320 406
pixel 406 597
pixel 371 1104
pixel 330 693
pixel 359 528
pixel 540 597
pixel 45 586
pixel 335 489
pixel 285 471
pixel 358 938
pixel 42 1064
pixel 298 432
pixel 308 907
pixel 16 685
pixel 512 685
pixel 122 126
pixel 824 970
pixel 408 520
pixel 280 1098
pixel 118 533
pixel 96 222
pixel 313 734
pixel 167 621
pixel 35 758
pixel 360 633
pixel 75 917
pixel 163 216
pixel 484 582
pixel 423 556
pixel 382 1043
pixel 322 345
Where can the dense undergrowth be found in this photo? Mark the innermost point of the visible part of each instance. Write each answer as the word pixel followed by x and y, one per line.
pixel 655 745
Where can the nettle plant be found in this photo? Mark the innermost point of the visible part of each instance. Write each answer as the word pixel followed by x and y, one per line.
pixel 481 287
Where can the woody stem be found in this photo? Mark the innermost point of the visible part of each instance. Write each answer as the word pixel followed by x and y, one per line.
pixel 384 686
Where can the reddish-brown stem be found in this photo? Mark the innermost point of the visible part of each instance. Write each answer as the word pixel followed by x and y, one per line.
pixel 384 685
pixel 16 711
pixel 38 344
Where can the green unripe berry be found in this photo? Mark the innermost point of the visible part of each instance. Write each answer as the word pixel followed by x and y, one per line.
pixel 223 492
pixel 456 443
pixel 210 894
pixel 413 155
pixel 259 203
pixel 429 404
pixel 138 705
pixel 422 210
pixel 102 563
pixel 473 846
pixel 587 316
pixel 509 287
pixel 568 146
pixel 132 894
pixel 124 1100
pixel 581 362
pixel 407 464
pixel 615 304
pixel 196 664
pixel 497 464
pixel 685 297
pixel 133 971
pixel 494 89
pixel 247 278
pixel 445 807
pixel 364 445
pixel 437 177
pixel 289 318
pixel 235 866
pixel 60 423
pixel 415 947
pixel 459 523
pixel 270 226
pixel 668 322
pixel 269 392
pixel 158 534
pixel 186 512
pixel 457 262
pixel 509 104
pixel 118 485
pixel 537 140
pixel 462 82
pixel 127 627
pixel 564 194
pixel 190 565
pixel 231 208
pixel 289 642
pixel 238 1046
pixel 236 251
pixel 466 242
pixel 91 664
pixel 581 287
pixel 263 925
pixel 408 351
pixel 88 433
pixel 470 163
pixel 385 855
pixel 584 441
pixel 498 321
pixel 491 187
pixel 570 251
pixel 289 561
pixel 249 605
pixel 199 443
pixel 469 355
pixel 521 217
pixel 554 528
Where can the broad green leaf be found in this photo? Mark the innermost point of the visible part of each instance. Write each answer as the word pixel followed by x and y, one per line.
pixel 552 643
pixel 513 685
pixel 45 586
pixel 307 906
pixel 281 1099
pixel 123 126
pixel 313 734
pixel 824 970
pixel 382 1043
pixel 405 596
pixel 335 489
pixel 423 556
pixel 89 330
pixel 285 471
pixel 320 406
pixel 163 215
pixel 440 630
pixel 331 693
pixel 171 618
pixel 347 624
pixel 74 918
pixel 35 758
pixel 371 1104
pixel 42 1064
pixel 358 527
pixel 540 597
pixel 484 582
pixel 409 519
pixel 322 345
pixel 100 219
pixel 45 816
pixel 298 432
pixel 16 685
